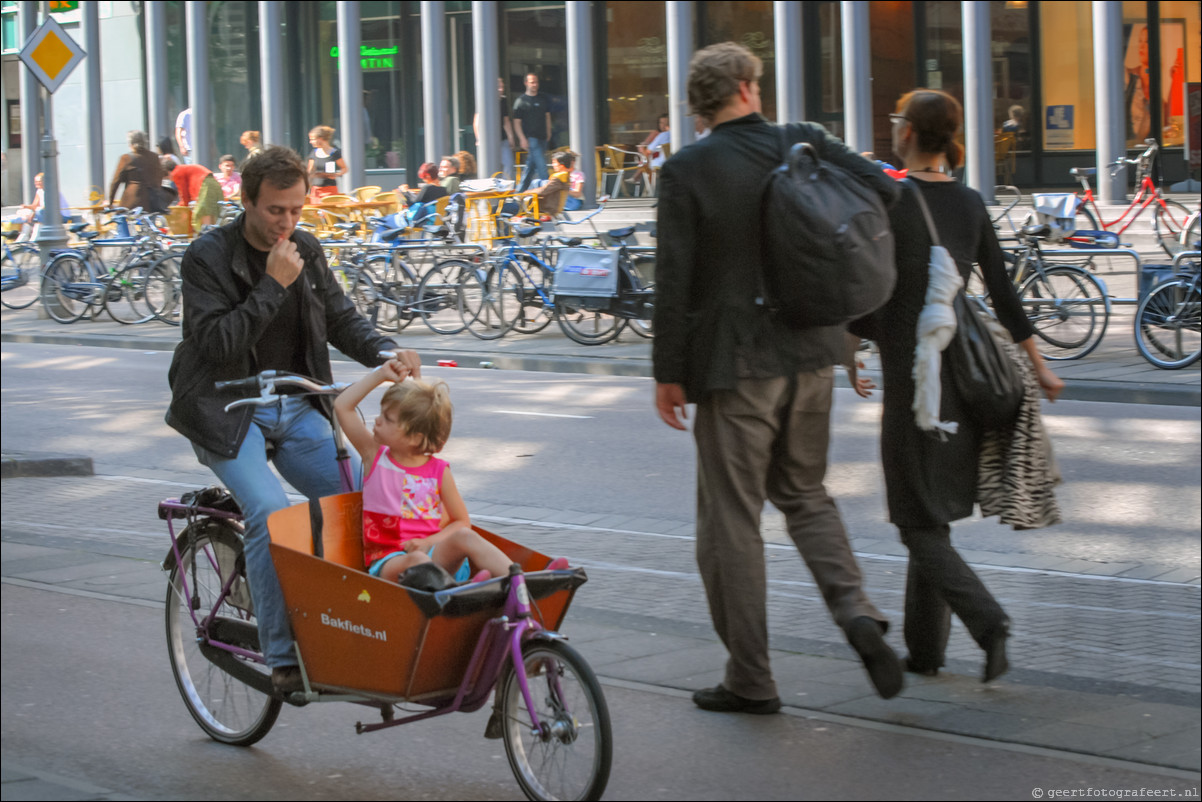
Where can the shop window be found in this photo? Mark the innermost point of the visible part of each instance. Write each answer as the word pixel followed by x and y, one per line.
pixel 1066 50
pixel 1012 86
pixel 535 40
pixel 380 58
pixel 1178 37
pixel 637 65
pixel 751 25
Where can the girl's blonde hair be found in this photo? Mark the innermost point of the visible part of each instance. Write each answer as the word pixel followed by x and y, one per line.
pixel 322 132
pixel 422 409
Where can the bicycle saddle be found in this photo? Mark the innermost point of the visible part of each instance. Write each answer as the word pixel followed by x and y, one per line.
pixel 621 233
pixel 526 231
pixel 16 232
pixel 390 234
pixel 571 242
pixel 1083 171
pixel 77 227
pixel 1039 230
pixel 88 234
pixel 346 226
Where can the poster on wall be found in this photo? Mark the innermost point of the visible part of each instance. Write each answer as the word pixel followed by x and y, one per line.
pixel 1137 97
pixel 1058 127
pixel 1193 120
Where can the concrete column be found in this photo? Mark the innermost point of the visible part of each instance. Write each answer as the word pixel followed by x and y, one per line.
pixel 790 84
pixel 857 76
pixel 92 102
pixel 980 169
pixel 1108 98
pixel 485 38
pixel 31 104
pixel 271 74
pixel 681 24
pixel 582 102
pixel 160 122
pixel 436 94
pixel 196 22
pixel 350 90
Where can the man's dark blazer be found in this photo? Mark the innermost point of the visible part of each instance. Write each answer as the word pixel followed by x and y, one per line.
pixel 709 330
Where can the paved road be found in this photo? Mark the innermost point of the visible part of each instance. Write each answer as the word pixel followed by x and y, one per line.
pixel 1106 658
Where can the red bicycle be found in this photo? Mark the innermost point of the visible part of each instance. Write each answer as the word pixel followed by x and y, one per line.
pixel 1168 216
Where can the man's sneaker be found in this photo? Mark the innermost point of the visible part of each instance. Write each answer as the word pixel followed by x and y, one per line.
pixel 720 700
pixel 287 679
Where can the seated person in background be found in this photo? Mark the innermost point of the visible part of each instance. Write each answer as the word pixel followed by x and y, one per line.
pixel 198 188
pixel 661 127
pixel 448 174
pixel 428 189
pixel 412 510
pixel 467 165
pixel 575 199
pixel 31 213
pixel 230 179
pixel 554 193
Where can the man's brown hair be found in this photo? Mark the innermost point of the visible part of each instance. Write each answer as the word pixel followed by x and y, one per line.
pixel 715 73
pixel 280 166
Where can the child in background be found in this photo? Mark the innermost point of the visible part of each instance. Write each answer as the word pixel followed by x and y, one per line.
pixel 412 510
pixel 229 177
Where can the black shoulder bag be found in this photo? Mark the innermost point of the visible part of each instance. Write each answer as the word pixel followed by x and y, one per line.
pixel 986 379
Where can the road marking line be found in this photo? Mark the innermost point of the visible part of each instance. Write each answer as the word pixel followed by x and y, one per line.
pixel 540 414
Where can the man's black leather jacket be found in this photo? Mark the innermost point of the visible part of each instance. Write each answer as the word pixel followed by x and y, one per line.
pixel 225 314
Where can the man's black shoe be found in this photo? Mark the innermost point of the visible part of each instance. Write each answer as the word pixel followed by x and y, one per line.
pixel 720 700
pixel 884 668
pixel 286 680
pixel 996 663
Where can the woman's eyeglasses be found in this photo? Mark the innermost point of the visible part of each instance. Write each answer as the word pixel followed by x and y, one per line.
pixel 894 119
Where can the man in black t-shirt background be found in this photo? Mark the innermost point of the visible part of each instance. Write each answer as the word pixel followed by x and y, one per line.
pixel 532 124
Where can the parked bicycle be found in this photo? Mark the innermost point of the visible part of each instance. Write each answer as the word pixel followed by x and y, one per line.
pixel 364 640
pixel 1168 216
pixel 22 262
pixel 1168 321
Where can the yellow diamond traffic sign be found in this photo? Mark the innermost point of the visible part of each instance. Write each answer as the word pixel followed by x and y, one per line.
pixel 50 54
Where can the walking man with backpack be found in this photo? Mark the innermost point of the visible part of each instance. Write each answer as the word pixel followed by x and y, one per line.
pixel 763 389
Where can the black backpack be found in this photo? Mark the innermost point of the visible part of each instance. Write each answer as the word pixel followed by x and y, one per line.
pixel 828 245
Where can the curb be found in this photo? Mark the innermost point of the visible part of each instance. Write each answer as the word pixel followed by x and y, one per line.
pixel 1074 389
pixel 13 466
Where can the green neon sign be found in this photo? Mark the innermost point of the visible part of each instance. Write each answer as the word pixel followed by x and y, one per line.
pixel 372 58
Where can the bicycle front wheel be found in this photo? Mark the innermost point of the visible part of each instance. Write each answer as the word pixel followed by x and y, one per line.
pixel 588 326
pixel 164 289
pixel 67 289
pixel 438 296
pixel 1168 331
pixel 1068 309
pixel 568 756
pixel 489 301
pixel 1168 220
pixel 20 276
pixel 224 707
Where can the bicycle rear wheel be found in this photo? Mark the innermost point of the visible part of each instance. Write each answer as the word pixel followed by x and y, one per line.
pixel 396 293
pixel 643 269
pixel 588 326
pixel 1068 309
pixel 125 295
pixel 67 289
pixel 20 276
pixel 1168 329
pixel 438 296
pixel 1167 222
pixel 570 754
pixel 226 708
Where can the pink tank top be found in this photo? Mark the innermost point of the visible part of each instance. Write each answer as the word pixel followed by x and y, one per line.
pixel 400 504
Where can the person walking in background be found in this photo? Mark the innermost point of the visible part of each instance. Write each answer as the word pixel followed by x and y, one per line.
pixel 325 163
pixel 140 175
pixel 166 149
pixel 198 188
pixel 183 134
pixel 229 177
pixel 931 481
pixel 532 125
pixel 763 390
pixel 250 141
pixel 507 136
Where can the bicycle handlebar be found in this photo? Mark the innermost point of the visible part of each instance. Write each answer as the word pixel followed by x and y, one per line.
pixel 268 383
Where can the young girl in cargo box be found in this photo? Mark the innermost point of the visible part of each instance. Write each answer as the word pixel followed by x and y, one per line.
pixel 412 510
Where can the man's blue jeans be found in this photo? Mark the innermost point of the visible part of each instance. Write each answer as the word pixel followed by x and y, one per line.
pixel 536 163
pixel 305 457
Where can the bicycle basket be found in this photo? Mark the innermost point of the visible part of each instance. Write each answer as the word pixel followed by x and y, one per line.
pixel 586 272
pixel 1058 210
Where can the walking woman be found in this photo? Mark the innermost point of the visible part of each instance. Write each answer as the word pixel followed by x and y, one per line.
pixel 141 175
pixel 931 476
pixel 325 164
